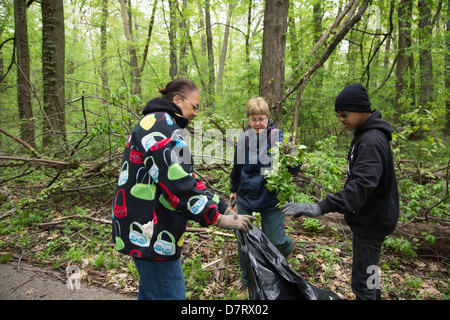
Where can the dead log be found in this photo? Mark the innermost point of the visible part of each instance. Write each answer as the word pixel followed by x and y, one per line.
pixel 414 231
pixel 38 162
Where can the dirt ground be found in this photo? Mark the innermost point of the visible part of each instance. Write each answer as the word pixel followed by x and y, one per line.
pixel 22 278
pixel 21 281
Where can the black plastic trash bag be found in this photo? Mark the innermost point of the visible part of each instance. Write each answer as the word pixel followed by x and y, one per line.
pixel 269 275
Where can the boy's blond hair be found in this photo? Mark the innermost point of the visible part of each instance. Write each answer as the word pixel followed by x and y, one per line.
pixel 257 106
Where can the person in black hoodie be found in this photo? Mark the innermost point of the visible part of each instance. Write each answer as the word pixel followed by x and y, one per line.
pixel 369 198
pixel 157 193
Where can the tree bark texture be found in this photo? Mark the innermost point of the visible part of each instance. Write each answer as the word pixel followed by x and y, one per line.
pixel 224 48
pixel 447 69
pixel 103 43
pixel 210 49
pixel 135 76
pixel 401 73
pixel 23 72
pixel 273 55
pixel 425 59
pixel 173 71
pixel 53 53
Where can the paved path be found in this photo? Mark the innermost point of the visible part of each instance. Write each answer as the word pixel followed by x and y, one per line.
pixel 27 282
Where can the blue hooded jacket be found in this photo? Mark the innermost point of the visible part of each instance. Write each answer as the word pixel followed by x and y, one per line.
pixel 251 158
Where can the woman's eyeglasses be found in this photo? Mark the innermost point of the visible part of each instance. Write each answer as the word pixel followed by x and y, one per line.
pixel 196 107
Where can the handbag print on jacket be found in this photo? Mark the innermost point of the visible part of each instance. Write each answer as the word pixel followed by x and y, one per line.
pixel 156 191
pixel 143 190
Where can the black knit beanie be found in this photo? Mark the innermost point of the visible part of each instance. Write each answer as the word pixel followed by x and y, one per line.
pixel 354 98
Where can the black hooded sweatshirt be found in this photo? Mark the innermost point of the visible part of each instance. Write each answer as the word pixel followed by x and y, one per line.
pixel 369 199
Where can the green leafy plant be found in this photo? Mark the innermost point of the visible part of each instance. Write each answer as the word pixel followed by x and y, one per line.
pixel 420 199
pixel 326 167
pixel 326 172
pixel 312 225
pixel 402 245
pixel 279 179
pixel 416 124
pixel 414 282
pixel 196 275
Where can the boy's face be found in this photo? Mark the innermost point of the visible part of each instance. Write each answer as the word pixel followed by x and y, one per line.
pixel 352 120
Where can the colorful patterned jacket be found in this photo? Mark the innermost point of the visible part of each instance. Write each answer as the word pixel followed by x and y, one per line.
pixel 157 192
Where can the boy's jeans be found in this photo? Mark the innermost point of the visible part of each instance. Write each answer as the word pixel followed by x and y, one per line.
pixel 366 282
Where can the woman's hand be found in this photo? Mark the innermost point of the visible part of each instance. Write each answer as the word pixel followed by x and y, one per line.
pixel 235 222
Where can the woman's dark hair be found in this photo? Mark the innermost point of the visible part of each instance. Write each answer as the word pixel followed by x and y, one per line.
pixel 179 87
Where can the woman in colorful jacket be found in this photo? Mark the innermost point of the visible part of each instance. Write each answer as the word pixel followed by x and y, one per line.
pixel 247 181
pixel 157 194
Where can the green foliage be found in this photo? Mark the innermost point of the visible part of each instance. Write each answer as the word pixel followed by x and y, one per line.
pixel 322 260
pixel 417 126
pixel 196 275
pixel 402 245
pixel 418 199
pixel 60 185
pixel 5 257
pixel 324 167
pixel 279 179
pixel 414 282
pixel 421 154
pixel 313 225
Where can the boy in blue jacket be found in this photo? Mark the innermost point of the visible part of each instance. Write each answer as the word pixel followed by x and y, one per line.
pixel 247 181
pixel 369 199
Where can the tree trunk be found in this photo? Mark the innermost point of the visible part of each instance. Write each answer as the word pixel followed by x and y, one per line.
pixel 224 48
pixel 352 55
pixel 317 21
pixel 411 93
pixel 201 25
pixel 401 85
pixel 173 71
pixel 23 72
pixel 447 70
pixel 211 69
pixel 295 48
pixel 147 41
pixel 425 60
pixel 387 50
pixel 135 76
pixel 103 42
pixel 247 47
pixel 184 41
pixel 53 52
pixel 2 85
pixel 271 78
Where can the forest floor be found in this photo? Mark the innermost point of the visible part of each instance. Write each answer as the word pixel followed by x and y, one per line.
pixel 322 256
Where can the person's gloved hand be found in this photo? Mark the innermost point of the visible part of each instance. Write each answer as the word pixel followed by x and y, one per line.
pixel 233 221
pixel 299 209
